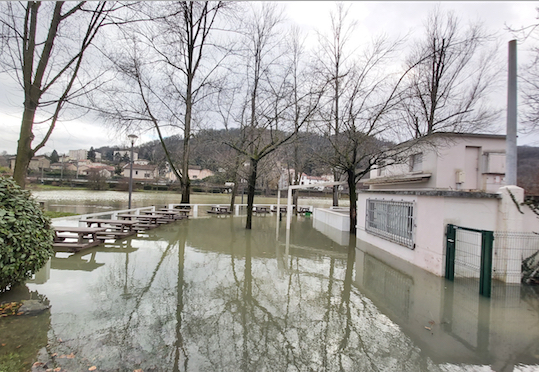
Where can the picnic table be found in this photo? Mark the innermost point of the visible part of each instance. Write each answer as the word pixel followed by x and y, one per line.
pixel 119 228
pixel 146 221
pixel 217 209
pixel 178 213
pixel 261 209
pixel 86 237
pixel 166 214
pixel 303 210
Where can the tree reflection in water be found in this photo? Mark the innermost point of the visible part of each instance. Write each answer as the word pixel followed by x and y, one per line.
pixel 208 295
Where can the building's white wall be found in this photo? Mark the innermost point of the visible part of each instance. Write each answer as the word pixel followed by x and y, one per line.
pixel 475 213
pixel 432 214
pixel 444 159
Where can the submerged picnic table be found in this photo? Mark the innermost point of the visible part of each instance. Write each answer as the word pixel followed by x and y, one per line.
pixel 217 209
pixel 145 221
pixel 119 228
pixel 86 237
pixel 166 213
pixel 261 209
pixel 178 213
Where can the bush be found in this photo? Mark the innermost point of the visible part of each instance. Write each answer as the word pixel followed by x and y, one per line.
pixel 26 237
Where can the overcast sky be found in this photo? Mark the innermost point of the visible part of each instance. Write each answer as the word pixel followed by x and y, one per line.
pixel 392 18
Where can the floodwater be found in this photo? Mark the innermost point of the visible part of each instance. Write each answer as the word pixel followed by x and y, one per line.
pixel 207 295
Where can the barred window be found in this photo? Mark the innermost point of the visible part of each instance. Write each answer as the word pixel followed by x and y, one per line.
pixel 391 220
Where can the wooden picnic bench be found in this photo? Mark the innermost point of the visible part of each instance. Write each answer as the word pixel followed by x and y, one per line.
pixel 86 237
pixel 167 214
pixel 261 209
pixel 177 213
pixel 118 229
pixel 217 209
pixel 144 221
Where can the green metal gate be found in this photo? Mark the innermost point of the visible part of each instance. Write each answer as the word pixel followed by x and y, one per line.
pixel 469 255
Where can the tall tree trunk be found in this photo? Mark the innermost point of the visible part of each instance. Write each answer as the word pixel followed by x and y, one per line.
pixel 24 147
pixel 353 200
pixel 186 182
pixel 251 193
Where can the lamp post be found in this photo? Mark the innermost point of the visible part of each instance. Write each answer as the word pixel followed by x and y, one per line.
pixel 132 138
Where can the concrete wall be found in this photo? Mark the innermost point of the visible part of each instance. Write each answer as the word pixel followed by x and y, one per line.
pixel 334 217
pixel 432 214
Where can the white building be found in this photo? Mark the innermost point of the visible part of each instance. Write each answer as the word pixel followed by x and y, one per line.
pixel 78 154
pixel 466 162
pixel 287 174
pixel 458 181
pixel 142 172
pixel 194 172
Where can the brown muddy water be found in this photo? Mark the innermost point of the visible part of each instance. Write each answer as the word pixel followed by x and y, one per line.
pixel 207 295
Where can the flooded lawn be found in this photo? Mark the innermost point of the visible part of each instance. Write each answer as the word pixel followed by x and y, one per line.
pixel 207 295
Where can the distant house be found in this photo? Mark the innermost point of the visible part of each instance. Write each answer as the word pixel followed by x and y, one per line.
pixel 37 163
pixel 305 179
pixel 104 170
pixel 197 173
pixel 142 172
pixel 194 172
pixel 66 166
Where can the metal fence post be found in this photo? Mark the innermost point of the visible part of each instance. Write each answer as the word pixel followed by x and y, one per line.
pixel 485 280
pixel 450 252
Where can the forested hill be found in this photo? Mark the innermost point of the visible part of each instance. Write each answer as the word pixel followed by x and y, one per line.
pixel 208 150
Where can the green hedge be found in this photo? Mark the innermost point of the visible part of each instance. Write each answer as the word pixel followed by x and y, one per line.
pixel 26 237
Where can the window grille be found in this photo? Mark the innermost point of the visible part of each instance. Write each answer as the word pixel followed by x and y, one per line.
pixel 391 220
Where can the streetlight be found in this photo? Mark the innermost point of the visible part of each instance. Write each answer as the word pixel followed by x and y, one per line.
pixel 132 138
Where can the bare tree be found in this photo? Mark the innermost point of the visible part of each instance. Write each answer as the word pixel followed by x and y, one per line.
pixel 357 118
pixel 173 59
pixel 334 60
pixel 267 93
pixel 43 48
pixel 528 77
pixel 454 70
pixel 300 106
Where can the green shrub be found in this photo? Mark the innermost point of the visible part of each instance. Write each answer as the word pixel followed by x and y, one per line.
pixel 25 235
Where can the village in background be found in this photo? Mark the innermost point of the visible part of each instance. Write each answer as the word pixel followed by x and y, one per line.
pixel 107 168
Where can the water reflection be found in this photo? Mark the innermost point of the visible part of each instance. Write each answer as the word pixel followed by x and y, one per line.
pixel 208 295
pixel 448 321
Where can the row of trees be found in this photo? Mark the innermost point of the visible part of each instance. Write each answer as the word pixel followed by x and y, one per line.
pixel 177 68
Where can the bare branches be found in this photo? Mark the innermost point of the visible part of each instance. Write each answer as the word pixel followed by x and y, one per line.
pixel 38 55
pixel 454 72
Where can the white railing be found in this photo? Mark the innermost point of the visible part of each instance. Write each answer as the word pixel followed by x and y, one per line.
pixel 196 209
